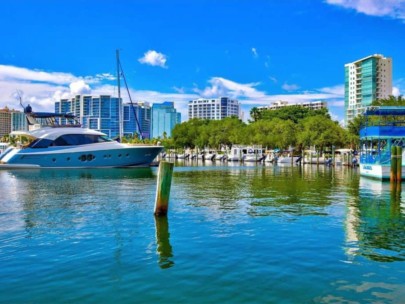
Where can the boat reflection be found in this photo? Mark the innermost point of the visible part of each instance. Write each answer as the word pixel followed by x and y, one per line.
pixel 111 173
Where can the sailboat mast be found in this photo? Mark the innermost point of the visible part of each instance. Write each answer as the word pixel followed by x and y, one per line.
pixel 119 95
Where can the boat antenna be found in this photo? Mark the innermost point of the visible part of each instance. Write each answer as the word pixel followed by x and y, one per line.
pixel 121 72
pixel 119 96
pixel 18 92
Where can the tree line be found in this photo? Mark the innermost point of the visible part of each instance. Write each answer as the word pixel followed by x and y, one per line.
pixel 282 128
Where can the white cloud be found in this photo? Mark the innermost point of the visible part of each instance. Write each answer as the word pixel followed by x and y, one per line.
pixel 179 90
pixel 290 87
pixel 395 91
pixel 224 87
pixel 154 58
pixel 41 90
pixel 254 51
pixel 79 88
pixel 273 79
pixel 391 8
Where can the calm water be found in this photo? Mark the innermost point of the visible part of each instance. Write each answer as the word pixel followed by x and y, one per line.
pixel 234 234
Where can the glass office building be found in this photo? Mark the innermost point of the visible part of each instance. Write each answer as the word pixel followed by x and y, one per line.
pixel 142 110
pixel 164 118
pixel 99 113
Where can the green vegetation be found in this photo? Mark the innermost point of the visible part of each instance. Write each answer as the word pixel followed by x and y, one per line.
pixel 289 126
pixel 390 101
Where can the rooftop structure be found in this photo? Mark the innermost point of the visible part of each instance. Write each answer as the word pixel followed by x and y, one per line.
pixel 315 105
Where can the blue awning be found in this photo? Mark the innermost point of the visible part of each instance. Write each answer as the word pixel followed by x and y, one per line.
pixel 385 111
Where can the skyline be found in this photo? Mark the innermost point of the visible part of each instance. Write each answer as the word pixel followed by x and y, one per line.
pixel 255 51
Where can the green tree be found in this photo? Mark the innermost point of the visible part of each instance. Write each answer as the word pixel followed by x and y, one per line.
pixel 255 114
pixel 390 101
pixel 294 113
pixel 321 132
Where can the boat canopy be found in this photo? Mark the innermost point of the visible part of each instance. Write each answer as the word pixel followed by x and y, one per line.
pixel 385 111
pixel 380 122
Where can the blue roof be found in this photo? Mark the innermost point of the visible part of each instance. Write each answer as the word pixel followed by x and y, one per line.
pixel 384 111
pixel 383 132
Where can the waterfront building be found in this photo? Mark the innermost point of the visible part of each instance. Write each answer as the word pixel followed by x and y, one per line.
pixel 366 80
pixel 164 118
pixel 142 110
pixel 314 105
pixel 11 120
pixel 216 109
pixel 99 113
pixel 5 121
pixel 18 121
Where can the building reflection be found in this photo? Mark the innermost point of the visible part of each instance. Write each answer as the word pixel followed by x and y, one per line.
pixel 375 221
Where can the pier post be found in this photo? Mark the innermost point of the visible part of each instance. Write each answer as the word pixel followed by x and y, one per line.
pixel 399 164
pixel 164 182
pixel 393 175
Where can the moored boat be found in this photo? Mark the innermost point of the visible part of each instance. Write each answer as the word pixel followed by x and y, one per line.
pixel 384 128
pixel 71 146
pixel 253 154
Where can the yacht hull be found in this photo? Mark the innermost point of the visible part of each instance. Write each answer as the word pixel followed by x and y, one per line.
pixel 127 156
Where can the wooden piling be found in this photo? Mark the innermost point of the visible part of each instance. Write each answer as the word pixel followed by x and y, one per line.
pixel 399 164
pixel 163 188
pixel 393 175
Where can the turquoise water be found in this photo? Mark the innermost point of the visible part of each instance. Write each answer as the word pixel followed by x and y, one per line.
pixel 234 234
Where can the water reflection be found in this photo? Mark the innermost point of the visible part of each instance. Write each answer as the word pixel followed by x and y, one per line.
pixel 375 222
pixel 163 242
pixel 48 199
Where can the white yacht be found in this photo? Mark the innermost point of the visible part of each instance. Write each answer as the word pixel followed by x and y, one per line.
pixel 70 146
pixel 3 147
pixel 235 154
pixel 253 154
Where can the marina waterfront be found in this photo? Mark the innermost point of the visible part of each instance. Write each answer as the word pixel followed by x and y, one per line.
pixel 235 233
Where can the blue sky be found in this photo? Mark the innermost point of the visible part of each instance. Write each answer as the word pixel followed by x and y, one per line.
pixel 257 51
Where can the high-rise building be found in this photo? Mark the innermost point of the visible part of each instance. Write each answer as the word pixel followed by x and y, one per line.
pixel 11 120
pixel 217 108
pixel 142 110
pixel 366 80
pixel 99 113
pixel 164 118
pixel 18 121
pixel 5 122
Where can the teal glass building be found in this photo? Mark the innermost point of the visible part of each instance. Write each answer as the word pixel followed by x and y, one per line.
pixel 164 118
pixel 366 80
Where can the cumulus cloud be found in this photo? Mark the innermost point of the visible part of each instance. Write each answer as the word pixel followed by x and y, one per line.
pixel 391 8
pixel 395 91
pixel 154 58
pixel 79 88
pixel 42 89
pixel 290 87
